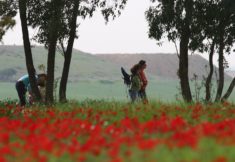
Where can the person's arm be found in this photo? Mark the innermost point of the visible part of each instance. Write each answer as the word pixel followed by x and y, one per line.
pixel 143 80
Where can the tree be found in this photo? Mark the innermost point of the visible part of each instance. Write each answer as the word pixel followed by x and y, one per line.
pixel 218 27
pixel 213 32
pixel 27 49
pixel 198 28
pixel 8 10
pixel 174 18
pixel 68 53
pixel 229 37
pixel 226 40
pixel 203 35
pixel 107 11
pixel 7 13
pixel 54 23
pixel 65 29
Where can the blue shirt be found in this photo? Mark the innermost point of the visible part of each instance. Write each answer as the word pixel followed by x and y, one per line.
pixel 25 80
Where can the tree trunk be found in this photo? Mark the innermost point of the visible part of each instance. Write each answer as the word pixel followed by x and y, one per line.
pixel 28 52
pixel 221 66
pixel 68 54
pixel 208 80
pixel 183 70
pixel 229 91
pixel 183 58
pixel 53 36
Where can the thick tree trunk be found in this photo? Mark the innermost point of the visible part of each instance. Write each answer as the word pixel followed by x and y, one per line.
pixel 209 77
pixel 221 66
pixel 183 58
pixel 53 37
pixel 68 54
pixel 183 69
pixel 229 91
pixel 28 52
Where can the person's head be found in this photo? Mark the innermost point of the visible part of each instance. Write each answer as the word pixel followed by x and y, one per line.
pixel 135 69
pixel 142 64
pixel 42 79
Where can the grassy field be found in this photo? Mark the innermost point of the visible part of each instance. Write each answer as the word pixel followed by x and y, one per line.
pixel 163 90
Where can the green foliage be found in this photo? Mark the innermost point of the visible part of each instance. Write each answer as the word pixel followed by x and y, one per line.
pixel 7 13
pixel 209 23
pixel 166 18
pixel 40 11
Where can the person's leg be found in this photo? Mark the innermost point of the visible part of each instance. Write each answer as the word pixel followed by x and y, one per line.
pixel 143 96
pixel 133 95
pixel 21 92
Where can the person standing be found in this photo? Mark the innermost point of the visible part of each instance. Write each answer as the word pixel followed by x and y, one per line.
pixel 135 83
pixel 144 81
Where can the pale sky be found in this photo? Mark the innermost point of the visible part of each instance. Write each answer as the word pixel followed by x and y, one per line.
pixel 126 34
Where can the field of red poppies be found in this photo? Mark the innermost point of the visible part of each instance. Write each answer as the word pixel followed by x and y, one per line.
pixel 117 132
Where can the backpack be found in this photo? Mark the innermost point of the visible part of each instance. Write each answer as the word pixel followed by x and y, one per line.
pixel 126 77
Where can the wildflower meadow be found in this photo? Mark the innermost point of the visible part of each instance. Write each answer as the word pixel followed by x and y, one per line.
pixel 117 132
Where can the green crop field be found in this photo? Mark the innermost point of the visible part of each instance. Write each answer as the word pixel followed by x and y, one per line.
pixel 163 90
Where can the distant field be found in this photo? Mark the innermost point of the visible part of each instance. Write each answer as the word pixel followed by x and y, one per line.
pixel 164 90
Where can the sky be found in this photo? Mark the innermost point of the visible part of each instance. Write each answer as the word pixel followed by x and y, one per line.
pixel 126 34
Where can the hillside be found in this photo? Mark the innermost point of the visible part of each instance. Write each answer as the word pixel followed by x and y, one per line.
pixel 231 73
pixel 84 66
pixel 161 65
pixel 103 67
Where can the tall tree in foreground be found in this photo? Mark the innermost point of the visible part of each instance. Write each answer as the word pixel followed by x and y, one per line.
pixel 8 10
pixel 54 27
pixel 27 49
pixel 45 16
pixel 174 18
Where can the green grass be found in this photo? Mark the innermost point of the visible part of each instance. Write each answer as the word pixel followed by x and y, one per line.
pixel 157 90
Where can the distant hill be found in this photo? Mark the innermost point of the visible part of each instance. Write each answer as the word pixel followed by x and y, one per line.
pixel 161 65
pixel 231 73
pixel 85 66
